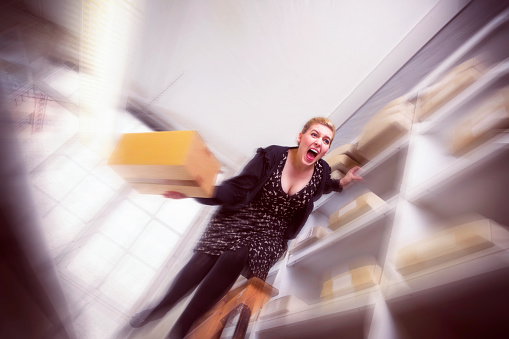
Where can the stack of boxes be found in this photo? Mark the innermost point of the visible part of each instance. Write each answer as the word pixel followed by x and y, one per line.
pixel 343 158
pixel 386 127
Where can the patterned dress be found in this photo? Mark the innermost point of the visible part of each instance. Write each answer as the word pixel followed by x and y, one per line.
pixel 260 225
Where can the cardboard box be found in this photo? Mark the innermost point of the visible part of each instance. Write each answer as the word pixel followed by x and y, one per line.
pixel 341 162
pixel 399 105
pixel 446 245
pixel 316 233
pixel 351 281
pixel 156 162
pixel 282 305
pixel 375 138
pixel 337 174
pixel 453 83
pixel 354 209
pixel 486 121
pixel 394 103
pixel 347 149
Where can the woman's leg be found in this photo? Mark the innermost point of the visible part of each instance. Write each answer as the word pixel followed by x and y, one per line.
pixel 215 286
pixel 186 280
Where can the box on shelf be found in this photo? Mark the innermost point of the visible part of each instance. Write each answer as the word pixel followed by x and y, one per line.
pixel 486 121
pixel 446 245
pixel 449 86
pixel 348 149
pixel 378 135
pixel 399 105
pixel 351 281
pixel 337 174
pixel 354 209
pixel 316 233
pixel 156 162
pixel 282 305
pixel 341 162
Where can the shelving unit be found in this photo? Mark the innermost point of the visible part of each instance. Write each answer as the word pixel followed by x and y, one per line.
pixel 382 176
pixel 323 254
pixel 347 316
pixel 479 184
pixel 424 186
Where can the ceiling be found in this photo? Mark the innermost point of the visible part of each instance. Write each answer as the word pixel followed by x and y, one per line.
pixel 246 74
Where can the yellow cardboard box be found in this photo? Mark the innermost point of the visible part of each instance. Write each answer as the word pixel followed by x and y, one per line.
pixel 486 121
pixel 453 83
pixel 446 245
pixel 354 209
pixel 156 162
pixel 351 281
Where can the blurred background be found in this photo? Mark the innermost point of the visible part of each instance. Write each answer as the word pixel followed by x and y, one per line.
pixel 82 251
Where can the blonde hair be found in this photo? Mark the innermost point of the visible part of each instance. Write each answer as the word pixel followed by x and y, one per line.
pixel 322 121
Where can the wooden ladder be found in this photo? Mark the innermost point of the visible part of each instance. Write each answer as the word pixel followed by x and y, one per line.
pixel 246 299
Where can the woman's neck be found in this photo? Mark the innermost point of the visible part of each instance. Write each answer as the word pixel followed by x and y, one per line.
pixel 296 163
pixel 296 175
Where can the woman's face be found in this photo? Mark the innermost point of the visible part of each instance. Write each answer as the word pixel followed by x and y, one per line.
pixel 314 143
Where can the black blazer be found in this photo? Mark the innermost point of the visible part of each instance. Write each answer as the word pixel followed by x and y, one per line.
pixel 238 191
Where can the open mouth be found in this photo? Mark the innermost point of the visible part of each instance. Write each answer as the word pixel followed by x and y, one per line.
pixel 311 154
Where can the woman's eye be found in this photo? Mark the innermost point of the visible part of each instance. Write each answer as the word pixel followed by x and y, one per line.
pixel 325 141
pixel 314 135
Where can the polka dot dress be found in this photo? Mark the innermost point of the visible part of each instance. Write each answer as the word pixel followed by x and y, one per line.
pixel 260 226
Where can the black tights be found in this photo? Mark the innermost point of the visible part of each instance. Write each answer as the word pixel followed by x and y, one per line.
pixel 217 275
